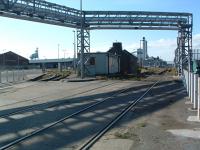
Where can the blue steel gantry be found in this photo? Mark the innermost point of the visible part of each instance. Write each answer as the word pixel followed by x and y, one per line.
pixel 84 21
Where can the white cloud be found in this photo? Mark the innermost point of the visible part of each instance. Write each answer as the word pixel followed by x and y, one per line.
pixel 164 48
pixel 162 44
pixel 196 41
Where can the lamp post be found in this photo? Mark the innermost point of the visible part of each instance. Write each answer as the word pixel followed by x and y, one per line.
pixel 64 51
pixel 4 59
pixel 18 76
pixel 81 6
pixel 58 50
pixel 82 42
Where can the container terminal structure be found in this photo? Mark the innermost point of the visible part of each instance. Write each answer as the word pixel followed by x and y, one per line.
pixel 84 21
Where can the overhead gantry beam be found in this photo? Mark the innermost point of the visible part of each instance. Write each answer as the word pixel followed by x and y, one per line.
pixel 135 20
pixel 51 13
pixel 40 11
pixel 46 12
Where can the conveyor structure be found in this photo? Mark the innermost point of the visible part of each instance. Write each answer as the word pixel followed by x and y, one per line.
pixel 84 21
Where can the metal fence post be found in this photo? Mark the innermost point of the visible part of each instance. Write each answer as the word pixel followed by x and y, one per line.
pixel 13 76
pixel 195 91
pixel 189 84
pixel 189 88
pixel 198 109
pixel 18 75
pixel 192 88
pixel 6 75
pixel 0 77
pixel 23 75
pixel 187 81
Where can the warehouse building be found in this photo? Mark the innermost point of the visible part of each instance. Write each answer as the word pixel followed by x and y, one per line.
pixel 52 63
pixel 11 60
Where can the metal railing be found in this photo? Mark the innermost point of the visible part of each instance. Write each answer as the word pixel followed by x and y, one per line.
pixel 192 84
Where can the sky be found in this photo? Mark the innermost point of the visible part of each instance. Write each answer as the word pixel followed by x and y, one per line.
pixel 23 37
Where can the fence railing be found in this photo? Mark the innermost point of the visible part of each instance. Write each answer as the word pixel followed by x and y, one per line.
pixel 17 75
pixel 192 84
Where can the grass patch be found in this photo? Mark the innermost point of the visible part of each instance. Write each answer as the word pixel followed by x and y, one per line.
pixel 126 135
pixel 55 72
pixel 142 125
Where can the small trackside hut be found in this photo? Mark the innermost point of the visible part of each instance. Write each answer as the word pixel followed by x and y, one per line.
pixel 101 63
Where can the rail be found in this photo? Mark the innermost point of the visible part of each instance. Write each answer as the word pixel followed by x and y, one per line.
pixel 40 130
pixel 93 140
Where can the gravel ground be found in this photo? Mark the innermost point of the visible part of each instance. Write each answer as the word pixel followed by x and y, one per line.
pixel 159 122
pixel 45 94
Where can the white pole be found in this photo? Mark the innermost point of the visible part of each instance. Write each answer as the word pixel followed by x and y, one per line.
pixel 198 110
pixel 192 88
pixel 82 42
pixel 189 84
pixel 6 75
pixel 81 8
pixel 0 77
pixel 58 51
pixel 74 50
pixel 187 81
pixel 23 74
pixel 18 77
pixel 195 91
pixel 13 76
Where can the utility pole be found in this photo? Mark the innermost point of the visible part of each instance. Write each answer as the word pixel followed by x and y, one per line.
pixel 81 4
pixel 58 50
pixel 64 51
pixel 59 64
pixel 4 59
pixel 74 49
pixel 17 67
pixel 82 42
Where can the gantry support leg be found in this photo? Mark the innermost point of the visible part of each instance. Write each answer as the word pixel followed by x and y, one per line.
pixel 183 53
pixel 83 46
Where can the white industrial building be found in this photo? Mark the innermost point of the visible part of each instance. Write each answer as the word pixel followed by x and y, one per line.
pixel 101 64
pixel 142 51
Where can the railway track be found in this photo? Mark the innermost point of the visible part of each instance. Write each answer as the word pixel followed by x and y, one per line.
pixel 53 105
pixel 95 138
pixel 91 142
pixel 34 98
pixel 11 86
pixel 58 121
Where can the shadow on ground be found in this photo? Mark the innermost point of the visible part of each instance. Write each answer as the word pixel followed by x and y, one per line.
pixel 78 129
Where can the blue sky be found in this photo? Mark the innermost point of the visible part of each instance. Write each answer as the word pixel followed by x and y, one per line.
pixel 23 36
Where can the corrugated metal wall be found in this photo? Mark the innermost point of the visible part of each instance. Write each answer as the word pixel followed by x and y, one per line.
pixel 113 64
